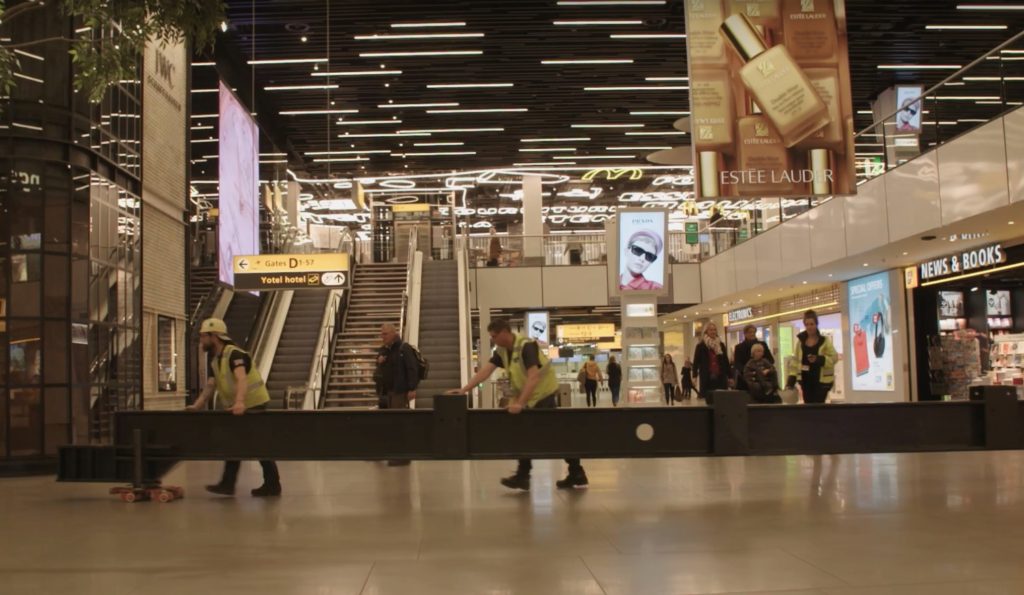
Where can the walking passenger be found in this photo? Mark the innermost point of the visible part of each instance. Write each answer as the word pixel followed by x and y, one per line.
pixel 400 375
pixel 533 378
pixel 669 377
pixel 593 376
pixel 814 362
pixel 614 372
pixel 239 389
pixel 761 379
pixel 741 355
pixel 687 379
pixel 711 364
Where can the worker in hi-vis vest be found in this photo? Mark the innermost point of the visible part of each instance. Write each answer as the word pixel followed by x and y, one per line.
pixel 239 388
pixel 531 375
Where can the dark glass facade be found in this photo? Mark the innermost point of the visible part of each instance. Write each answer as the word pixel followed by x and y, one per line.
pixel 70 252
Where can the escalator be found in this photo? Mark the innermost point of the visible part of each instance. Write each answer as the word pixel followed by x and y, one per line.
pixel 241 317
pixel 439 329
pixel 296 349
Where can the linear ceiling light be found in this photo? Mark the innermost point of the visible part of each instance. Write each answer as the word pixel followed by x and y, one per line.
pixel 596 157
pixel 318 112
pixel 300 87
pixel 204 64
pixel 919 66
pixel 440 130
pixel 383 135
pixel 425 25
pixel 549 150
pixel 666 79
pixel 365 122
pixel 322 153
pixel 206 90
pixel 386 37
pixel 492 110
pixel 469 85
pixel 402 105
pixel 594 61
pixel 611 2
pixel 595 23
pixel 541 163
pixel 435 153
pixel 450 144
pixel 648 36
pixel 607 125
pixel 667 133
pixel 340 159
pixel 637 148
pixel 555 140
pixel 202 116
pixel 648 88
pixel 360 73
pixel 288 61
pixel 965 27
pixel 967 98
pixel 681 113
pixel 416 54
pixel 990 6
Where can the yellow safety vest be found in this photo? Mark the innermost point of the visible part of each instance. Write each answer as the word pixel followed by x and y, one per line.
pixel 256 393
pixel 548 384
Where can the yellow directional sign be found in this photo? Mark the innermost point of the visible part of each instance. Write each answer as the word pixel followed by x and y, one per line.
pixel 291 263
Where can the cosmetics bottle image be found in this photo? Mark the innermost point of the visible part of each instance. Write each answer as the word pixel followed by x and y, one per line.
pixel 777 83
pixel 809 30
pixel 826 83
pixel 705 46
pixel 710 168
pixel 764 13
pixel 713 112
pixel 819 162
pixel 763 162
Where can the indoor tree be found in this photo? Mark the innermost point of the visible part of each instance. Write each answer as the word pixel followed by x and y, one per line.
pixel 101 62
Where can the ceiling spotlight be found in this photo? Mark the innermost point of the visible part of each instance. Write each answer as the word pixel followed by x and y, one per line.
pixel 224 26
pixel 304 39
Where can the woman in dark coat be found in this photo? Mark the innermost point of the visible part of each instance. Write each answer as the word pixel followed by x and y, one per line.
pixel 711 363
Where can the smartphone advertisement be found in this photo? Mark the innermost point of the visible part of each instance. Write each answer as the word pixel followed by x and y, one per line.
pixel 770 98
pixel 537 326
pixel 871 333
pixel 642 261
pixel 908 119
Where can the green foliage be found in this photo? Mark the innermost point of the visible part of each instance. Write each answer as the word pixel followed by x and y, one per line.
pixel 101 62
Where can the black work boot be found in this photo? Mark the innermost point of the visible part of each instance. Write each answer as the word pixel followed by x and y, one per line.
pixel 265 491
pixel 575 479
pixel 517 482
pixel 221 489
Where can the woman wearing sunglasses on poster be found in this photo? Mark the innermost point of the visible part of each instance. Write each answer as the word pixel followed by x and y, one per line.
pixel 642 250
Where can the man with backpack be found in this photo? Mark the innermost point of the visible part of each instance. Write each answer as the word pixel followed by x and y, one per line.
pixel 400 372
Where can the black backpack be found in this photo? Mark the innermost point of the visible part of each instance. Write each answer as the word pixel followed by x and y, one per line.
pixel 422 365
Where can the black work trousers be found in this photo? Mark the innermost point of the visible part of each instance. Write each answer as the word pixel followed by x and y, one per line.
pixel 526 465
pixel 271 477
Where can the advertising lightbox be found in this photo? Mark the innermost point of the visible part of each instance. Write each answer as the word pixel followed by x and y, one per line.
pixel 537 326
pixel 239 212
pixel 770 98
pixel 871 333
pixel 642 243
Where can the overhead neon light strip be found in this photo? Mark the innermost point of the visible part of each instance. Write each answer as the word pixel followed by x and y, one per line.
pixel 425 25
pixel 300 87
pixel 595 23
pixel 653 88
pixel 469 85
pixel 975 274
pixel 360 73
pixel 385 37
pixel 311 112
pixel 404 105
pixel 417 54
pixel 493 110
pixel 556 140
pixel 288 61
pixel 595 61
pixel 648 36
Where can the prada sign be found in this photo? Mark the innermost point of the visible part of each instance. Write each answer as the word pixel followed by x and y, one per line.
pixel 962 262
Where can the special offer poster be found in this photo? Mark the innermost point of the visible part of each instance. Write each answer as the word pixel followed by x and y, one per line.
pixel 871 333
pixel 770 98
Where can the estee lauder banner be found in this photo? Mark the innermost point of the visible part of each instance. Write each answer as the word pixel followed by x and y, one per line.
pixel 770 100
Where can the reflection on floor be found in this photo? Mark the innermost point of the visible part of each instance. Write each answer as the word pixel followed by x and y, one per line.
pixel 894 524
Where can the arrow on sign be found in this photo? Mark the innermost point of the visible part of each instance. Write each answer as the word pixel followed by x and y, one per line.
pixel 243 264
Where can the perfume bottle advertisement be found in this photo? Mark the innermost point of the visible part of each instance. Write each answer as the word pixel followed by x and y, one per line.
pixel 771 109
pixel 871 333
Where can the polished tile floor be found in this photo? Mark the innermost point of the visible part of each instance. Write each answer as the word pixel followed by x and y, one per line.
pixel 932 524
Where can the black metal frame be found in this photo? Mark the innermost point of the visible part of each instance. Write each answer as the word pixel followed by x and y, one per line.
pixel 451 431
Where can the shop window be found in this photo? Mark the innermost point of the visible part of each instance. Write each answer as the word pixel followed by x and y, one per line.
pixel 166 354
pixel 55 350
pixel 25 353
pixel 25 413
pixel 25 278
pixel 57 414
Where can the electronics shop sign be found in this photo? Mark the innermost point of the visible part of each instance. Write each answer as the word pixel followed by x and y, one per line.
pixel 962 262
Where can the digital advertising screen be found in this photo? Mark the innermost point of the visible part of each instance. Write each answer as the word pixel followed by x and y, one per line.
pixel 770 98
pixel 239 219
pixel 951 304
pixel 537 327
pixel 998 302
pixel 909 117
pixel 871 333
pixel 642 261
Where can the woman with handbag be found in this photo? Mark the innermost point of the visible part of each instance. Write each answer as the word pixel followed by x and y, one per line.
pixel 711 364
pixel 814 362
pixel 669 376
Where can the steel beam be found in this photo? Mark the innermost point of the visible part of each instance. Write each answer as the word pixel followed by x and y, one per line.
pixel 451 431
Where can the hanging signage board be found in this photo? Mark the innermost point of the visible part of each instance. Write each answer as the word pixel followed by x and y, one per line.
pixel 269 272
pixel 962 262
pixel 741 315
pixel 692 235
pixel 577 333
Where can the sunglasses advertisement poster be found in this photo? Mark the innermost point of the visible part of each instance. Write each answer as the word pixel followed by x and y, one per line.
pixel 871 333
pixel 770 98
pixel 537 326
pixel 642 261
pixel 909 101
